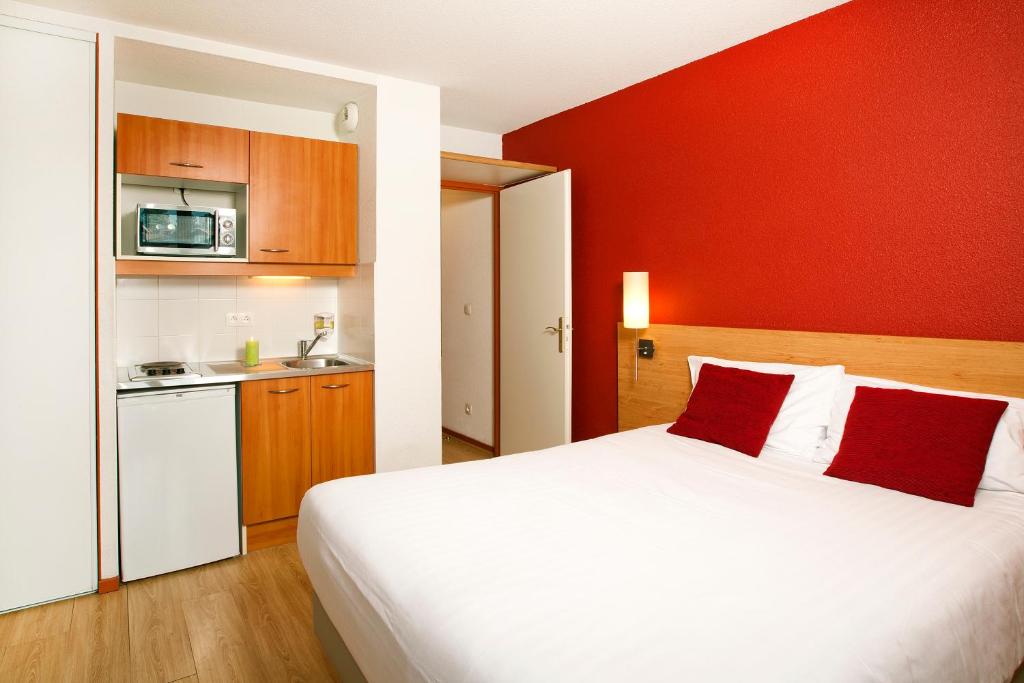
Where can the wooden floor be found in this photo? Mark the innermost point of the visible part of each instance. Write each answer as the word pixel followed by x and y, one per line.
pixel 243 619
pixel 454 450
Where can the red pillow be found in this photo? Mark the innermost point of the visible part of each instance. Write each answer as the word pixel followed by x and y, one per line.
pixel 930 445
pixel 733 407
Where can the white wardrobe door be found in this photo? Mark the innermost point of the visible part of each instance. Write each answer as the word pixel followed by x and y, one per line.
pixel 47 434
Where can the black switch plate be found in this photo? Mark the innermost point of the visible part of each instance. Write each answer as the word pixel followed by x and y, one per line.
pixel 645 348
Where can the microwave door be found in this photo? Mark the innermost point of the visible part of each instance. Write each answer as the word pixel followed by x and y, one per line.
pixel 174 231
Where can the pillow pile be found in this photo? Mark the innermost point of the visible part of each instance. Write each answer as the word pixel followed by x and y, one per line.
pixel 801 422
pixel 929 442
pixel 733 407
pixel 1004 463
pixel 925 444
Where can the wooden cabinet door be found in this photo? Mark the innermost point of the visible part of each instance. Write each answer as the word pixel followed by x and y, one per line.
pixel 275 448
pixel 176 149
pixel 342 416
pixel 334 196
pixel 279 177
pixel 303 197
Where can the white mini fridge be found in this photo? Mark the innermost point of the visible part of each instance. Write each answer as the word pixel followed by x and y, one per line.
pixel 178 479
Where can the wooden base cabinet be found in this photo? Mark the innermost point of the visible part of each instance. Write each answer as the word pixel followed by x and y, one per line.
pixel 275 448
pixel 297 432
pixel 342 417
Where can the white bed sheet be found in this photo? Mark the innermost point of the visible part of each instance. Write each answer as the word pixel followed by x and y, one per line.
pixel 643 556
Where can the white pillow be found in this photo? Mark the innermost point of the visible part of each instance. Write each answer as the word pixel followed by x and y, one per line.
pixel 1004 466
pixel 804 416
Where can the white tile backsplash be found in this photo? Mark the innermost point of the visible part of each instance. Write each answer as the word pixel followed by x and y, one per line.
pixel 184 288
pixel 219 347
pixel 178 316
pixel 213 315
pixel 132 350
pixel 179 347
pixel 217 287
pixel 170 318
pixel 137 287
pixel 137 318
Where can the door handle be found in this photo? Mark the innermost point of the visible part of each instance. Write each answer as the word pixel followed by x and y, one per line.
pixel 560 331
pixel 282 391
pixel 274 251
pixel 333 386
pixel 186 164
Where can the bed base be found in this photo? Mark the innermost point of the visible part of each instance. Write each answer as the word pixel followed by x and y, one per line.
pixel 334 647
pixel 348 671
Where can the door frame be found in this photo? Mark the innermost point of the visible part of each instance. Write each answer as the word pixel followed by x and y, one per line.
pixel 493 191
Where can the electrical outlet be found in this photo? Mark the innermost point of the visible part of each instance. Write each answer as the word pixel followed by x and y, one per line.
pixel 238 319
pixel 469 409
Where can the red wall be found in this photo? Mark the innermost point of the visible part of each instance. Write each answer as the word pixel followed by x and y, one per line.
pixel 858 171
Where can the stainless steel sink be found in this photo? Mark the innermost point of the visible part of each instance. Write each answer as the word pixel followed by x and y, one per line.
pixel 312 363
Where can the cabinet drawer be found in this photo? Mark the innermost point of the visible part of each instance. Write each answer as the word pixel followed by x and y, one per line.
pixel 176 149
pixel 275 448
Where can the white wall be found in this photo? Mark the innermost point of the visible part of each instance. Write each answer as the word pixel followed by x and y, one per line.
pixel 406 281
pixel 354 325
pixel 407 276
pixel 167 103
pixel 467 141
pixel 183 318
pixel 467 339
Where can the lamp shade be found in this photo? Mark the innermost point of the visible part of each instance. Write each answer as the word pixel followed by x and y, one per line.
pixel 635 302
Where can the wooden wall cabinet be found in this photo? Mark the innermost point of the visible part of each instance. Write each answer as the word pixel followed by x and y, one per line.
pixel 176 149
pixel 297 432
pixel 302 200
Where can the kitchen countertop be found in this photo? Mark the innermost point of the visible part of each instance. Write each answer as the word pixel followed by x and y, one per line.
pixel 227 372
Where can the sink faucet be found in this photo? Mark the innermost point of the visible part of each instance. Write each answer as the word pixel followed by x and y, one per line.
pixel 306 347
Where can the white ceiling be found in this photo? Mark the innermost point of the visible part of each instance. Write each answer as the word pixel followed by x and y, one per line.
pixel 500 65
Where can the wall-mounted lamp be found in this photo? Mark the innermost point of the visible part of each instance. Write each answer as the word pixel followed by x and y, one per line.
pixel 636 315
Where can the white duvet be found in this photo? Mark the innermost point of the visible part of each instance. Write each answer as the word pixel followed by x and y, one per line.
pixel 643 556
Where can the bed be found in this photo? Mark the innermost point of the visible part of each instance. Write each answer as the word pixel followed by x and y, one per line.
pixel 643 556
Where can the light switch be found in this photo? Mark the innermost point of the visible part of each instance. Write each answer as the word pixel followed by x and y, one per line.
pixel 467 309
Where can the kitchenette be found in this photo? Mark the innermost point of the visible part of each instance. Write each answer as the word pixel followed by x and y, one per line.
pixel 214 459
pixel 234 393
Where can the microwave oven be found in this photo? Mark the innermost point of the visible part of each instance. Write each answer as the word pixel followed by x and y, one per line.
pixel 168 230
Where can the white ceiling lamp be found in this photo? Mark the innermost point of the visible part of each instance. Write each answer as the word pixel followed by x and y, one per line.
pixel 347 119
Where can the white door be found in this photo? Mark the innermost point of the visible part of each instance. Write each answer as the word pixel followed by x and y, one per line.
pixel 47 418
pixel 536 314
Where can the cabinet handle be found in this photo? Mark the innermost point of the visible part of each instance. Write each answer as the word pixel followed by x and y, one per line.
pixel 186 164
pixel 333 386
pixel 282 391
pixel 274 251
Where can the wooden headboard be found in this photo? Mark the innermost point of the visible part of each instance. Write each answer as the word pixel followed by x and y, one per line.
pixel 664 383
